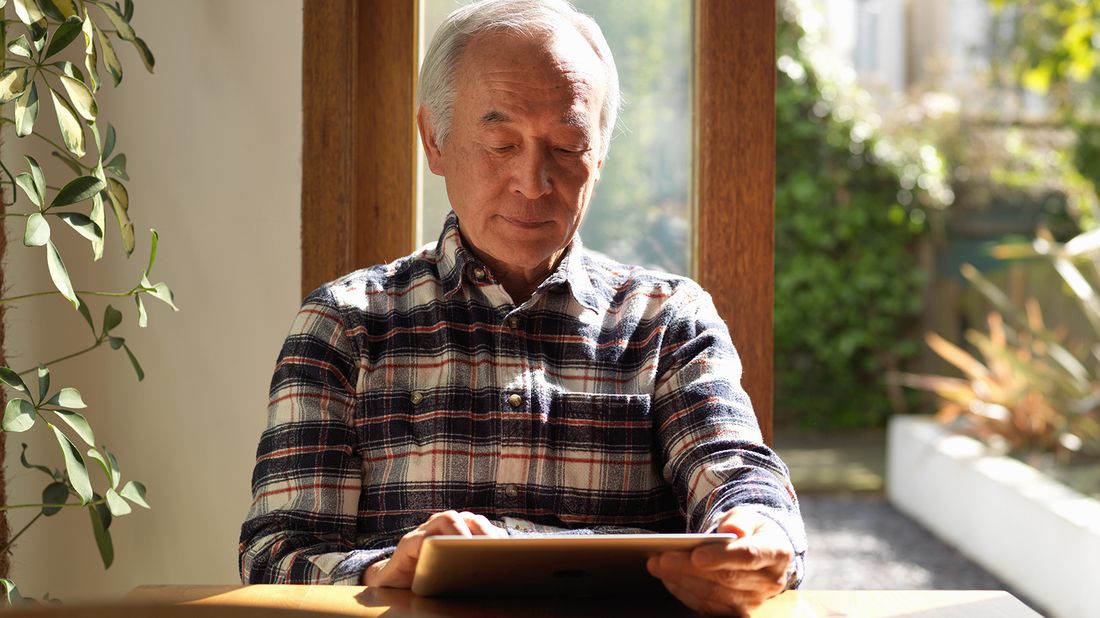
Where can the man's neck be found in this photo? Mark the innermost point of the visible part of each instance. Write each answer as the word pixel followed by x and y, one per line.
pixel 521 283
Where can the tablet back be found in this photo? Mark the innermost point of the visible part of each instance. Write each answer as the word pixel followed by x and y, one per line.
pixel 591 565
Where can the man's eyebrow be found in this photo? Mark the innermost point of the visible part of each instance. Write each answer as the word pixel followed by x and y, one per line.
pixel 576 119
pixel 495 117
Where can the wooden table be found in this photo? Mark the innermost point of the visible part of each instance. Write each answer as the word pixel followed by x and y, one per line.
pixel 320 601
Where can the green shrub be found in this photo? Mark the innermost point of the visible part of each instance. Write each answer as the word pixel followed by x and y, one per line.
pixel 847 281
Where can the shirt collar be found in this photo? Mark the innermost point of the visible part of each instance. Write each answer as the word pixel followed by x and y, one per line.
pixel 455 262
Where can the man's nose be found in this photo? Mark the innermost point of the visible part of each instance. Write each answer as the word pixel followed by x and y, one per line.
pixel 531 178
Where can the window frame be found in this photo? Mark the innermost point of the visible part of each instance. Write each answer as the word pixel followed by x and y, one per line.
pixel 359 157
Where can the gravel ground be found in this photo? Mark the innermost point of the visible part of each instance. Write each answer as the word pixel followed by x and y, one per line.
pixel 859 541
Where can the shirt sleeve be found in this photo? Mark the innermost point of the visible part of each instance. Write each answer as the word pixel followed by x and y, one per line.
pixel 713 453
pixel 301 527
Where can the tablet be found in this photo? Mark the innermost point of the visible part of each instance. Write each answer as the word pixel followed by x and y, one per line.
pixel 589 565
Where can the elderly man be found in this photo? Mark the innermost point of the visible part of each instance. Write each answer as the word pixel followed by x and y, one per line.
pixel 504 380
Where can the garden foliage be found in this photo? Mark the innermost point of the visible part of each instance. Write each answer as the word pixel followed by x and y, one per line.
pixel 848 284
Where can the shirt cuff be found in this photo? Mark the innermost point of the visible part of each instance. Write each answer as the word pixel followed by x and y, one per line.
pixel 350 571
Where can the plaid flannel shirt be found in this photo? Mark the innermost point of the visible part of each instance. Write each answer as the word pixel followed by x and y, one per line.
pixel 611 399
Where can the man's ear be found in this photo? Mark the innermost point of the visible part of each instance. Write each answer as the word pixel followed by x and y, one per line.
pixel 427 138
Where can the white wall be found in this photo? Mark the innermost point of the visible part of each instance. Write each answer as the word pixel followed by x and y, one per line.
pixel 214 142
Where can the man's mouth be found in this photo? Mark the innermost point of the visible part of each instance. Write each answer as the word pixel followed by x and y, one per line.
pixel 525 223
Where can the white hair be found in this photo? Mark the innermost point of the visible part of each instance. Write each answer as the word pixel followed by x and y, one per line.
pixel 527 17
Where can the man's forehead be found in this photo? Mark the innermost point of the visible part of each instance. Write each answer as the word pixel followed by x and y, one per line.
pixel 505 74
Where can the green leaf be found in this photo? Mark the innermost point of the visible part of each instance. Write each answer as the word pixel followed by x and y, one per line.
pixel 128 13
pixel 43 382
pixel 65 34
pixel 159 291
pixel 30 466
pixel 21 47
pixel 117 166
pixel 116 342
pixel 81 96
pixel 134 362
pixel 109 146
pixel 86 313
pixel 145 53
pixel 116 504
pixel 82 225
pixel 111 318
pixel 67 8
pixel 78 190
pixel 125 31
pixel 99 220
pixel 50 10
pixel 26 111
pixel 25 182
pixel 72 132
pixel 102 536
pixel 13 83
pixel 37 232
pixel 116 476
pixel 29 13
pixel 110 58
pixel 143 317
pixel 38 34
pixel 120 205
pixel 68 162
pixel 74 465
pixel 54 493
pixel 38 177
pixel 134 492
pixel 79 424
pixel 108 465
pixel 12 379
pixel 69 69
pixel 67 397
pixel 11 593
pixel 91 58
pixel 59 274
pixel 152 254
pixel 19 415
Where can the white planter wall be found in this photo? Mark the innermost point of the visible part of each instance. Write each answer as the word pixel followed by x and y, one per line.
pixel 1037 535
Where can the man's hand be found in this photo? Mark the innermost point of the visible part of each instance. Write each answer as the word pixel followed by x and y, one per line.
pixel 731 579
pixel 397 570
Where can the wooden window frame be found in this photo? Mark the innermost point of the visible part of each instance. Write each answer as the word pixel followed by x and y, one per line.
pixel 359 156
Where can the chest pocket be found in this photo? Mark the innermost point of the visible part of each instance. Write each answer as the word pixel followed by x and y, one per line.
pixel 602 449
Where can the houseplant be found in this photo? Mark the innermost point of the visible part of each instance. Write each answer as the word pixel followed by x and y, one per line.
pixel 39 38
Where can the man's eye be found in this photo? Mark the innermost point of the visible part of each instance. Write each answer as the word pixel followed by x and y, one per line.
pixel 571 151
pixel 502 149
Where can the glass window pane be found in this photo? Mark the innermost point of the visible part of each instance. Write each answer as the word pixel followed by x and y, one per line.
pixel 641 210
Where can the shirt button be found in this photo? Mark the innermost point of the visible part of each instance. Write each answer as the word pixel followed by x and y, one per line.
pixel 512 322
pixel 515 400
pixel 511 491
pixel 479 273
pixel 416 397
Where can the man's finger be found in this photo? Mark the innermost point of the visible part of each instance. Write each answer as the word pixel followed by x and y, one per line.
pixel 771 580
pixel 750 554
pixel 480 525
pixel 447 522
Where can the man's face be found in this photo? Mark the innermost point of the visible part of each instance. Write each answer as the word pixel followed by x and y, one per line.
pixel 523 152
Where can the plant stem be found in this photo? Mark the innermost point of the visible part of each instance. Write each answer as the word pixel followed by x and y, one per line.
pixel 18 534
pixel 60 149
pixel 7 507
pixel 98 342
pixel 12 299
